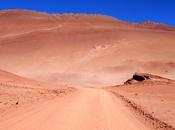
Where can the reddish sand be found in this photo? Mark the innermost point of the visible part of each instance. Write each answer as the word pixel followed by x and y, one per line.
pixel 26 104
pixel 15 92
pixel 84 110
pixel 154 97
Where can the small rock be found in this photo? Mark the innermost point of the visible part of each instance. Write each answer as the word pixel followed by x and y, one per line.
pixel 17 103
pixel 136 94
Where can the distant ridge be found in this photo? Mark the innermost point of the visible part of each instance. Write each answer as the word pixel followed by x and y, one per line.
pixel 154 25
pixel 18 13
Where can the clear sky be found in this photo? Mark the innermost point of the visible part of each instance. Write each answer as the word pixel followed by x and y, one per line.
pixel 129 10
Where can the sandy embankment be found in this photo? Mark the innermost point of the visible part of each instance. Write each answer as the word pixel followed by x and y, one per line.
pixel 152 99
pixel 14 96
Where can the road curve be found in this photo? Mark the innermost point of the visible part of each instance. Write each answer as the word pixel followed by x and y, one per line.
pixel 87 109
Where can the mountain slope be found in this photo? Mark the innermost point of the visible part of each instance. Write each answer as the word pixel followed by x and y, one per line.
pixel 82 49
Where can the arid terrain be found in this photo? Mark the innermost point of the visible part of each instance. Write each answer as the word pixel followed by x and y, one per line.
pixel 153 98
pixel 56 72
pixel 88 50
pixel 16 91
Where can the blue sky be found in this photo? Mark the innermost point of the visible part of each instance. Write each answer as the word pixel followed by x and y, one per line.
pixel 129 10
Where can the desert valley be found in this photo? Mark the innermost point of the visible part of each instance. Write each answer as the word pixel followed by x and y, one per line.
pixel 85 71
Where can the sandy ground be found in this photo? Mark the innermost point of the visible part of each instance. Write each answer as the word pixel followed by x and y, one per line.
pixel 14 96
pixel 153 97
pixel 86 109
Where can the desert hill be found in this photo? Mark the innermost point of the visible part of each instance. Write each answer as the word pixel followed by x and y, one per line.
pixel 13 80
pixel 79 49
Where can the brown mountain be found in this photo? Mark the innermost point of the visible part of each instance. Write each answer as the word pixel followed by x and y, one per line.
pixel 83 49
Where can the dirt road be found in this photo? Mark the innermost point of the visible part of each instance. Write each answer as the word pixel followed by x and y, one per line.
pixel 31 31
pixel 86 109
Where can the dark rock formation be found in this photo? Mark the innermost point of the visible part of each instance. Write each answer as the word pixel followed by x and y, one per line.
pixel 141 77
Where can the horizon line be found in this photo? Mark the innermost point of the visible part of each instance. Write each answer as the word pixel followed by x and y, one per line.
pixel 102 14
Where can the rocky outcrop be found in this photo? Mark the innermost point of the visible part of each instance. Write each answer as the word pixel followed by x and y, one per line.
pixel 141 77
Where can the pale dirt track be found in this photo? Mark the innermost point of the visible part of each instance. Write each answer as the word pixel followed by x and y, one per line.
pixel 30 31
pixel 87 109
